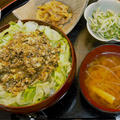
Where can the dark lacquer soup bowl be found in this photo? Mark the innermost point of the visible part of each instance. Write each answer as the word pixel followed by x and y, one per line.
pixel 55 96
pixel 107 52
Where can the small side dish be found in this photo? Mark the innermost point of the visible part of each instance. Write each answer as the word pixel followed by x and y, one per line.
pixel 35 61
pixel 103 20
pixel 54 12
pixel 105 24
pixel 64 13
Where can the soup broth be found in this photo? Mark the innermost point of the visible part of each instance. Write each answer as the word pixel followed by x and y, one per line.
pixel 103 80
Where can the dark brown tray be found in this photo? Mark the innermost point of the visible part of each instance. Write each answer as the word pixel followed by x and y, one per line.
pixel 6 6
pixel 72 105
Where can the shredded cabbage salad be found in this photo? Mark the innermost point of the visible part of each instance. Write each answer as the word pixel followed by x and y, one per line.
pixel 40 90
pixel 105 24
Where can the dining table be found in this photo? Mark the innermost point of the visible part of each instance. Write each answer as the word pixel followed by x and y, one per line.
pixel 73 104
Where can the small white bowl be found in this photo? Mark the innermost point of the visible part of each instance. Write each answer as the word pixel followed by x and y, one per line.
pixel 104 5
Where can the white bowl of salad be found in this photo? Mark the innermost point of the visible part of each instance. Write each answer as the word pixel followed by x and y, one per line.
pixel 103 20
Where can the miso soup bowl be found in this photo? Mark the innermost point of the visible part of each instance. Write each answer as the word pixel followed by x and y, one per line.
pixel 57 95
pixel 107 49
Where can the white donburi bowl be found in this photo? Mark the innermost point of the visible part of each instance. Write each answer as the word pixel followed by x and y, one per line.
pixel 104 5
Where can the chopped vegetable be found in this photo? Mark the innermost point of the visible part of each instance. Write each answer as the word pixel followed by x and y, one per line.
pixel 105 24
pixel 106 96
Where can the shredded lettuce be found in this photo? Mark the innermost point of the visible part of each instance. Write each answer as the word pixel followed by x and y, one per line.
pixel 7 34
pixel 39 90
pixel 52 34
pixel 30 26
pixel 42 28
pixel 105 24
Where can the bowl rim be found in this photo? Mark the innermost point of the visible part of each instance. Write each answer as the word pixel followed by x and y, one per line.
pixel 89 100
pixel 64 87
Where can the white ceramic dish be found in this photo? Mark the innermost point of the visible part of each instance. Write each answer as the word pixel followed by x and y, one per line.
pixel 104 5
